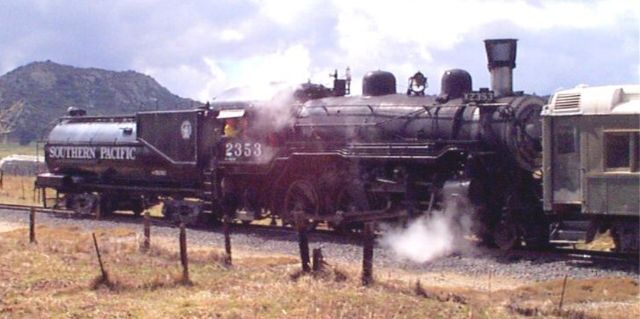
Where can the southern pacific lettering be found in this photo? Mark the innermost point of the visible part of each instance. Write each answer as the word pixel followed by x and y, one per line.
pixel 91 152
pixel 117 153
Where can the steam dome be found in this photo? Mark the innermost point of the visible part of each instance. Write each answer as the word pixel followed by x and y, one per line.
pixel 377 83
pixel 455 83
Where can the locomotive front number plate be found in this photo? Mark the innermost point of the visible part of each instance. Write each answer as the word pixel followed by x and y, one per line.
pixel 479 96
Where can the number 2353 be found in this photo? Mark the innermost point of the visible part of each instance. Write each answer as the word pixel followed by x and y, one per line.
pixel 243 149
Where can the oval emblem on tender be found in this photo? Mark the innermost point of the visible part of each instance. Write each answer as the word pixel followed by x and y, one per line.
pixel 186 129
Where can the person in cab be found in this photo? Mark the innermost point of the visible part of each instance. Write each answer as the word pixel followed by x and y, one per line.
pixel 235 127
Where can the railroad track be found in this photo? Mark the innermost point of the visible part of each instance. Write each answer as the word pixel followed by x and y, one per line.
pixel 330 235
pixel 159 221
pixel 36 208
pixel 599 255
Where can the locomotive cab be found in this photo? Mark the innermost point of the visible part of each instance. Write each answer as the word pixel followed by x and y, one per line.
pixel 245 155
pixel 244 141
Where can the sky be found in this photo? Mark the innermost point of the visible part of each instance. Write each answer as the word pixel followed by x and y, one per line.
pixel 202 49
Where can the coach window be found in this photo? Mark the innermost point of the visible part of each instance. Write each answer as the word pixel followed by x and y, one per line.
pixel 621 151
pixel 566 140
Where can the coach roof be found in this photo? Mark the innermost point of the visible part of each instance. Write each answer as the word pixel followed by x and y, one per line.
pixel 597 100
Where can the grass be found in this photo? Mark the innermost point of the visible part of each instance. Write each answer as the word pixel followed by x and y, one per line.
pixel 14 148
pixel 59 277
pixel 19 190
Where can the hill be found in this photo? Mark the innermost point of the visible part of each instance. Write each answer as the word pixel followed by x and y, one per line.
pixel 33 96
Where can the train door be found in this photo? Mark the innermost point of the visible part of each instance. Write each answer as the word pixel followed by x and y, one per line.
pixel 565 160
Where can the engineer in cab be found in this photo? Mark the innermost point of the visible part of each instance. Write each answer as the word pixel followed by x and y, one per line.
pixel 235 127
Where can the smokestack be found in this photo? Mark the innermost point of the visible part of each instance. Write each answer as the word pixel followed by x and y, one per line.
pixel 501 54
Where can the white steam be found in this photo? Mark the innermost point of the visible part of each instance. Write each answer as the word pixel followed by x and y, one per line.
pixel 430 237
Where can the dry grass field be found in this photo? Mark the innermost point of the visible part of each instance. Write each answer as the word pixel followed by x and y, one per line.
pixel 12 148
pixel 60 277
pixel 19 190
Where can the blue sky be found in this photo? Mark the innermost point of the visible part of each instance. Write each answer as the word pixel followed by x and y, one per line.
pixel 200 49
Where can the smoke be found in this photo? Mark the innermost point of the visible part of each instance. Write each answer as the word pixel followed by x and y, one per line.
pixel 253 92
pixel 431 236
pixel 280 110
pixel 273 105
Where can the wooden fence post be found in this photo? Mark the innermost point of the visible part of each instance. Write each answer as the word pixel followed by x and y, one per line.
pixel 44 197
pixel 22 187
pixel 564 286
pixel 303 240
pixel 146 243
pixel 183 254
pixel 317 261
pixel 35 193
pixel 227 239
pixel 32 226
pixel 367 254
pixel 105 276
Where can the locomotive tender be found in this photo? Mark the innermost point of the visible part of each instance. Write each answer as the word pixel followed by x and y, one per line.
pixel 345 160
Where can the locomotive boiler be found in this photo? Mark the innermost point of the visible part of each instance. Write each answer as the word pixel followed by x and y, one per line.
pixel 383 155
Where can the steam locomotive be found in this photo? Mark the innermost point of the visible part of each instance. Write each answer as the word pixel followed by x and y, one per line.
pixel 345 160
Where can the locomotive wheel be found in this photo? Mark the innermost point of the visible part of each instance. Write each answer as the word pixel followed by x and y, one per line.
pixel 107 206
pixel 300 196
pixel 537 234
pixel 347 203
pixel 625 236
pixel 352 199
pixel 84 203
pixel 138 208
pixel 506 235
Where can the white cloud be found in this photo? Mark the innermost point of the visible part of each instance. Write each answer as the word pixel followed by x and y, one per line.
pixel 284 12
pixel 258 75
pixel 200 49
pixel 192 82
pixel 366 28
pixel 288 65
pixel 230 35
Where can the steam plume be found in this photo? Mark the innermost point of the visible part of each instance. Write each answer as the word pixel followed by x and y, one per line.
pixel 431 237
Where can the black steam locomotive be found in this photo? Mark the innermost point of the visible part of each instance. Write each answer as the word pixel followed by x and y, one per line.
pixel 338 159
